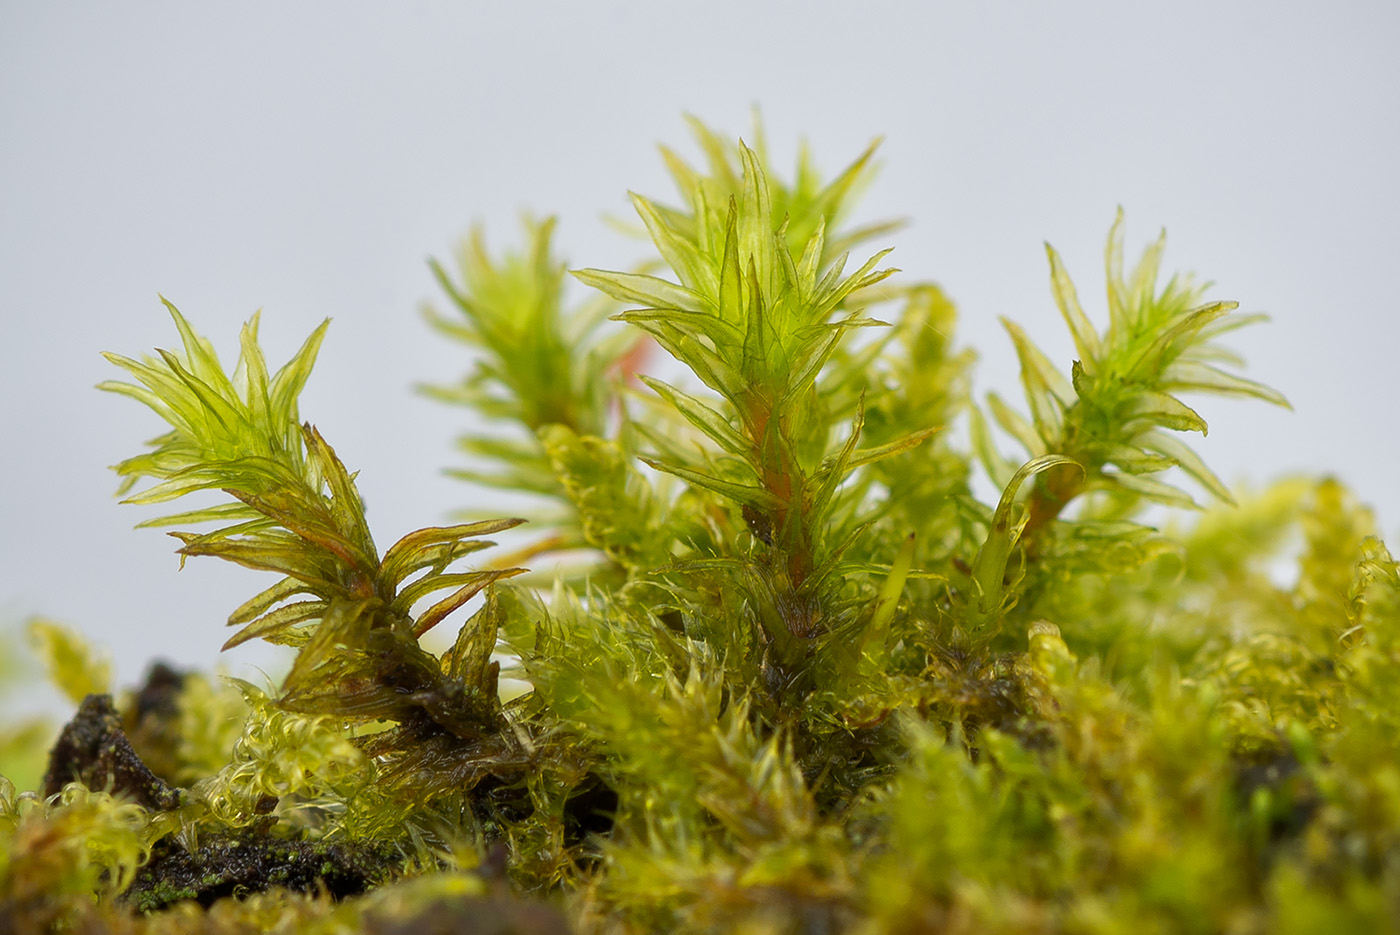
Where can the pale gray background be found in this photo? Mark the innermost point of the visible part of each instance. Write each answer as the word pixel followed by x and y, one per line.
pixel 307 158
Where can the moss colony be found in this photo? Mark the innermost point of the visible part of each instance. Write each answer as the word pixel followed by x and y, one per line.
pixel 794 677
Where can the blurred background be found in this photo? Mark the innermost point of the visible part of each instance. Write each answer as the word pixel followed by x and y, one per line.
pixel 307 159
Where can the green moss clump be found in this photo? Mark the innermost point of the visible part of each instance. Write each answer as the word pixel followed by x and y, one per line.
pixel 791 674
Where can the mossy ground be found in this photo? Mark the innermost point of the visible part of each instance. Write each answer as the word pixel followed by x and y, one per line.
pixel 791 675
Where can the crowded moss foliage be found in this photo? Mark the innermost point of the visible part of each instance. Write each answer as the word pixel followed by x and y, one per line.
pixel 780 670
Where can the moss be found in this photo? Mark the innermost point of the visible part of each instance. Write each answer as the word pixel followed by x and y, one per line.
pixel 164 894
pixel 776 667
pixel 238 865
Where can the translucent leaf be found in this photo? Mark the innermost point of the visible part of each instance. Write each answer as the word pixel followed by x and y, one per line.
pixel 470 657
pixel 989 566
pixel 862 456
pixel 1152 489
pixel 213 406
pixel 286 558
pixel 644 290
pixel 1189 461
pixel 1015 425
pixel 420 588
pixel 809 266
pixel 729 299
pixel 289 380
pixel 256 605
pixel 1212 354
pixel 1047 391
pixel 412 551
pixel 1118 323
pixel 835 469
pixel 1231 323
pixel 707 420
pixel 712 370
pixel 1190 375
pixel 1143 281
pixel 1164 410
pixel 221 512
pixel 681 255
pixel 349 509
pixel 1086 339
pixel 1150 358
pixel 756 224
pixel 999 468
pixel 435 614
pixel 1129 458
pixel 204 366
pixel 315 530
pixel 834 196
pixel 827 298
pixel 756 497
pixel 876 632
pixel 274 622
